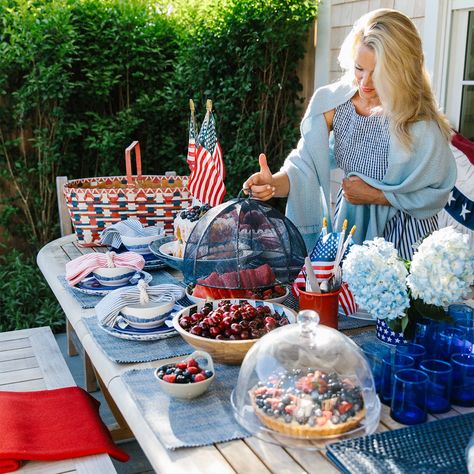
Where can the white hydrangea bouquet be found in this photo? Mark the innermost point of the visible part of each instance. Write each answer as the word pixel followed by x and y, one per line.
pixel 402 292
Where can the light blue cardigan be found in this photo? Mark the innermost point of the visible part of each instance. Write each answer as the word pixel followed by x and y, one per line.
pixel 417 182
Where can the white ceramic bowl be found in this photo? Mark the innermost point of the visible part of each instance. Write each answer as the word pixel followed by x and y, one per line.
pixel 189 390
pixel 113 276
pixel 148 315
pixel 140 244
pixel 225 351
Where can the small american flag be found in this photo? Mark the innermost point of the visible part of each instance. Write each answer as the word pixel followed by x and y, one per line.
pixel 322 258
pixel 193 141
pixel 206 182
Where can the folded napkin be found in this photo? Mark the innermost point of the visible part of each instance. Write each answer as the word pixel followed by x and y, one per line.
pixel 109 307
pixel 81 267
pixel 111 235
pixel 49 425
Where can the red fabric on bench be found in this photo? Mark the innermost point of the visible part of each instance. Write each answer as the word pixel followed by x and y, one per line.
pixel 50 425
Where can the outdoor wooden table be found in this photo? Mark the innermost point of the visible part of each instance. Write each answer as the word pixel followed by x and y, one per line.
pixel 241 456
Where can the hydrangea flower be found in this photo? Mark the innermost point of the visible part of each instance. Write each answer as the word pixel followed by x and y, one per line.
pixel 441 273
pixel 377 278
pixel 442 269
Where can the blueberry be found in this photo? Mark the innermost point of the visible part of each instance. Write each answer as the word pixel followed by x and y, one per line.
pixel 318 412
pixel 180 379
pixel 335 419
pixel 169 371
pixel 312 421
pixel 343 417
pixel 288 418
pixel 208 374
pixel 276 413
pixel 178 371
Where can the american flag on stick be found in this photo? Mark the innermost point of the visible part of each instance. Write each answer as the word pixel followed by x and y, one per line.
pixel 193 141
pixel 323 258
pixel 206 182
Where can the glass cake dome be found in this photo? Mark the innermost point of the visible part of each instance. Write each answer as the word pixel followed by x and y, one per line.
pixel 305 384
pixel 243 244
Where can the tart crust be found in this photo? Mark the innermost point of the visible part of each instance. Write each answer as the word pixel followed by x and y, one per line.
pixel 304 431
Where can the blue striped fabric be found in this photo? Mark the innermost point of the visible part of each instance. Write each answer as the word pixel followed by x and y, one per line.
pixel 405 231
pixel 111 235
pixel 109 307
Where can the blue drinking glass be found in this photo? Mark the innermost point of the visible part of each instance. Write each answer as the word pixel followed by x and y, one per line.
pixel 440 376
pixel 410 390
pixel 422 332
pixel 374 353
pixel 391 364
pixel 461 312
pixel 463 379
pixel 447 341
pixel 417 351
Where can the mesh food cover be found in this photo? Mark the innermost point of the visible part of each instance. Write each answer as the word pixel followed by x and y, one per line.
pixel 304 384
pixel 243 244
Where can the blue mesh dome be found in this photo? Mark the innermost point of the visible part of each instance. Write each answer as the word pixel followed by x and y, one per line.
pixel 243 244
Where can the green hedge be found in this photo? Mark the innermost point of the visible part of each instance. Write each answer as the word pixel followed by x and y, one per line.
pixel 81 79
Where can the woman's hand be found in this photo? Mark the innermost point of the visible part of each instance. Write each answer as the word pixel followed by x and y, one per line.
pixel 357 191
pixel 261 183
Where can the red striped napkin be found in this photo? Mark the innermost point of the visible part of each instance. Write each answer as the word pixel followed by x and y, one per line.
pixel 81 267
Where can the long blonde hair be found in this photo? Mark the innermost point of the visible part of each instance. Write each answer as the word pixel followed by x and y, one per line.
pixel 400 78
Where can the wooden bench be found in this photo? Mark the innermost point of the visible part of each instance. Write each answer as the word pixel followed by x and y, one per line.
pixel 30 360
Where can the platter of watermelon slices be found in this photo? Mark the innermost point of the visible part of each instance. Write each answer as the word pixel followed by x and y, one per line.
pixel 252 283
pixel 273 294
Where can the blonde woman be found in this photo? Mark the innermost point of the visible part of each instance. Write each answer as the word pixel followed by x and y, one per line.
pixel 381 125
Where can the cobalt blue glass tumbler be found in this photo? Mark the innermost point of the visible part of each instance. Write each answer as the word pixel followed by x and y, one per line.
pixel 417 351
pixel 410 390
pixel 463 379
pixel 391 364
pixel 440 374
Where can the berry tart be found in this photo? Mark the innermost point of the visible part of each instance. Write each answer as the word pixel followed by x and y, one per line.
pixel 308 403
pixel 184 225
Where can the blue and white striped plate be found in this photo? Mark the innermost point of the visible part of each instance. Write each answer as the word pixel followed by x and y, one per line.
pixel 135 334
pixel 90 286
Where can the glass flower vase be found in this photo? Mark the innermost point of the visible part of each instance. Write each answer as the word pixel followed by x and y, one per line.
pixel 387 335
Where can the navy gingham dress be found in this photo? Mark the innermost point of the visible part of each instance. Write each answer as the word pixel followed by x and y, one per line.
pixel 361 144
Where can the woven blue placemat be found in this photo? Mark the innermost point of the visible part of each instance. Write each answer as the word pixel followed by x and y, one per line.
pixel 201 421
pixel 89 301
pixel 436 447
pixel 123 351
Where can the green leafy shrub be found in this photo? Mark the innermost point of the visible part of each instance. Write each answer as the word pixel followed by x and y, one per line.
pixel 81 79
pixel 25 298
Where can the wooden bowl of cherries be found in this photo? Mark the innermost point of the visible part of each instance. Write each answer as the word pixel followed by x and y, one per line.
pixel 227 329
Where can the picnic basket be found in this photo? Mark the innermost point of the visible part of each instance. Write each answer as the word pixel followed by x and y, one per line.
pixel 95 203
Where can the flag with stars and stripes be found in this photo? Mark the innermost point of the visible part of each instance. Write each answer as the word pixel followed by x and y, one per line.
pixel 322 259
pixel 193 141
pixel 206 182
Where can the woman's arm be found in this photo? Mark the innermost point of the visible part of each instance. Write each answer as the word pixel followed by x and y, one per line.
pixel 357 191
pixel 264 185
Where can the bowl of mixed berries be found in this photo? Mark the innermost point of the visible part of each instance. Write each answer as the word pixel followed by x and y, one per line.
pixel 227 329
pixel 188 378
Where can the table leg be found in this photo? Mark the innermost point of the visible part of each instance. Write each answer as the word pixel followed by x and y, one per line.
pixel 120 430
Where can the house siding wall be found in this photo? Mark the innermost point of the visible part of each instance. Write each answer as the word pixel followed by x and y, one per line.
pixel 343 14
